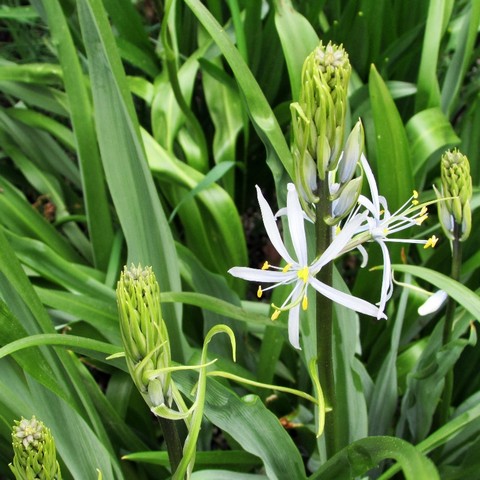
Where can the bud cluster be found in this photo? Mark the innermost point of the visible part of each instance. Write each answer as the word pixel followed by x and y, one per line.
pixel 456 193
pixel 144 334
pixel 34 451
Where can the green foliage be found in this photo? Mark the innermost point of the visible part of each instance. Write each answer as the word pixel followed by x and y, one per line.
pixel 132 131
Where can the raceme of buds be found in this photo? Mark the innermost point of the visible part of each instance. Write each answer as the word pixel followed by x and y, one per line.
pixel 456 192
pixel 144 334
pixel 34 451
pixel 318 117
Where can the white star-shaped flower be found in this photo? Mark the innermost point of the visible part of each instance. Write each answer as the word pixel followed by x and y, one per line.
pixel 298 272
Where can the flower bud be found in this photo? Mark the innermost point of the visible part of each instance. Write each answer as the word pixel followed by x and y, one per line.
pixel 318 117
pixel 144 334
pixel 34 451
pixel 456 192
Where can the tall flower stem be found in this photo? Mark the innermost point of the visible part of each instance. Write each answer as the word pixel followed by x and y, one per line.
pixel 172 442
pixel 448 327
pixel 324 309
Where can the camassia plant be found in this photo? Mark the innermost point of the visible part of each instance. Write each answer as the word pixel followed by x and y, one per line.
pixel 238 239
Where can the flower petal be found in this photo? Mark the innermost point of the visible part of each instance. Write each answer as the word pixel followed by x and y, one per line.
pixel 433 303
pixel 296 225
pixel 347 300
pixel 350 228
pixel 262 276
pixel 271 227
pixel 294 327
pixel 371 181
pixel 387 283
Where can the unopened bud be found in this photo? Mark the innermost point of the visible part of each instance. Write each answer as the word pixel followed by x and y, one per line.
pixel 34 451
pixel 144 333
pixel 456 192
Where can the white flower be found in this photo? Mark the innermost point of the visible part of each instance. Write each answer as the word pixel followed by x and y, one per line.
pixel 380 223
pixel 298 272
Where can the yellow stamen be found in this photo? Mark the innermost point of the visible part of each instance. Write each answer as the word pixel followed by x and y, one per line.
pixel 303 274
pixel 305 302
pixel 259 291
pixel 431 242
pixel 275 315
pixel 337 230
pixel 423 211
pixel 415 196
pixel 287 267
pixel 421 219
pixel 265 266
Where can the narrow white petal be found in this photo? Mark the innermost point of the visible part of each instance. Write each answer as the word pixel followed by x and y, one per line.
pixel 339 242
pixel 294 326
pixel 433 303
pixel 364 253
pixel 271 227
pixel 296 225
pixel 371 181
pixel 347 300
pixel 261 276
pixel 387 283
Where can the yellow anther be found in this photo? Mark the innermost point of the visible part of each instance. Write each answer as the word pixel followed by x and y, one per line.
pixel 337 230
pixel 265 266
pixel 303 274
pixel 431 242
pixel 275 314
pixel 423 211
pixel 287 267
pixel 385 231
pixel 305 302
pixel 259 291
pixel 421 219
pixel 415 196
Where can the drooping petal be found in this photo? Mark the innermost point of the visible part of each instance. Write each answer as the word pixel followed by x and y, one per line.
pixel 271 227
pixel 387 283
pixel 371 181
pixel 261 276
pixel 294 326
pixel 347 300
pixel 296 225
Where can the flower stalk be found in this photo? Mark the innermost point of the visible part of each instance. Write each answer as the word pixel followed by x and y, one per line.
pixel 456 220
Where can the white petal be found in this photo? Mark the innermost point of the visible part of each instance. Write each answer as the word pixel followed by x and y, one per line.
pixel 262 276
pixel 339 242
pixel 347 300
pixel 271 227
pixel 371 181
pixel 294 326
pixel 296 225
pixel 387 283
pixel 364 253
pixel 433 303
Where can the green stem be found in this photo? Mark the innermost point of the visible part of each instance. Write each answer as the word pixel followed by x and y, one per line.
pixel 172 440
pixel 446 399
pixel 324 309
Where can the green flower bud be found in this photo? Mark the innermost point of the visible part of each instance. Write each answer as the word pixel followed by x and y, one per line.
pixel 318 117
pixel 144 334
pixel 34 451
pixel 456 183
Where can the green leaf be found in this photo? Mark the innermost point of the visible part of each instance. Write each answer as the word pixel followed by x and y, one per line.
pixel 363 455
pixel 252 425
pixel 462 295
pixel 428 132
pixel 259 110
pixel 298 39
pixel 93 179
pixel 140 212
pixel 392 152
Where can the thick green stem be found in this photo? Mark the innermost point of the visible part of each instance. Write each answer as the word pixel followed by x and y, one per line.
pixel 446 399
pixel 172 440
pixel 325 319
